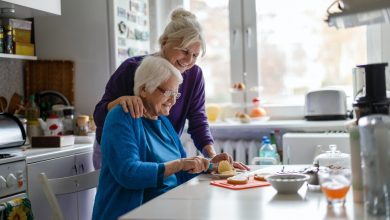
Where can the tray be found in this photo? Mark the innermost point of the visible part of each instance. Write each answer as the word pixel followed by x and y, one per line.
pixel 251 184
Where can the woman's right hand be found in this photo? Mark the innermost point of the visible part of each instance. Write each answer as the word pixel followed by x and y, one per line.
pixel 132 104
pixel 195 164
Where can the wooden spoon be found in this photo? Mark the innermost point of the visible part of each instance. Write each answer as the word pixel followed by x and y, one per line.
pixel 3 104
pixel 14 103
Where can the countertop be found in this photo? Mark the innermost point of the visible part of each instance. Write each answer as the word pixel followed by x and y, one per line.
pixel 197 199
pixel 236 129
pixel 39 154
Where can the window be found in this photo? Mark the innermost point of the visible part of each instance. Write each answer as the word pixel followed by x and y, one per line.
pixel 213 15
pixel 284 47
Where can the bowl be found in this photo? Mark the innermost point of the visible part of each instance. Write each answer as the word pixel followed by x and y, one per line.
pixel 287 183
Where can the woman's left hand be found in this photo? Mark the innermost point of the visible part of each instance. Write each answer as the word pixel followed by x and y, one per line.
pixel 224 156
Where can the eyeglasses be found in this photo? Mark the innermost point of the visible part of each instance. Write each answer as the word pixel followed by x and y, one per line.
pixel 169 93
pixel 186 51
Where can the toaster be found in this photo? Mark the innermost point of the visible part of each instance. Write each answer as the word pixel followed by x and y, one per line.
pixel 327 104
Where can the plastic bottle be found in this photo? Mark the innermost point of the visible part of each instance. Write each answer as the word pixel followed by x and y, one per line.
pixel 267 153
pixel 32 115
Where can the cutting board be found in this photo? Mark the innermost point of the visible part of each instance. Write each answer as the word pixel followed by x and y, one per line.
pixel 251 184
pixel 57 75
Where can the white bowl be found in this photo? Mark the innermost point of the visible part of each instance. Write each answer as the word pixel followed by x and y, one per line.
pixel 287 183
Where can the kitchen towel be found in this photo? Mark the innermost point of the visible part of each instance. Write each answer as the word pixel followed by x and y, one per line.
pixel 16 209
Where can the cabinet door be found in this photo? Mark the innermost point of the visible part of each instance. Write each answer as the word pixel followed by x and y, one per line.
pixel 54 168
pixel 85 198
pixel 52 6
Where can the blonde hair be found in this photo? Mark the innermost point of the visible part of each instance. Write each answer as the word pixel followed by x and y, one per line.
pixel 153 71
pixel 184 27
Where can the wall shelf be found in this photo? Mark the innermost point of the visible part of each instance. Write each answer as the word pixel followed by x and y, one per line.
pixel 15 56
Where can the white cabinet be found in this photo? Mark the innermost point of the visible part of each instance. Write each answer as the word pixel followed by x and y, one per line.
pixel 74 206
pixel 32 8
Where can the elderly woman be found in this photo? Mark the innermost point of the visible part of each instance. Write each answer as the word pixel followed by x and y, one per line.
pixel 181 44
pixel 143 158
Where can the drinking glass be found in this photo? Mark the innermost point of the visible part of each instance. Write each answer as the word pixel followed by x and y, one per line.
pixel 335 184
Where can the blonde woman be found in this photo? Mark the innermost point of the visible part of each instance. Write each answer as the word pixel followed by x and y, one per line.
pixel 181 44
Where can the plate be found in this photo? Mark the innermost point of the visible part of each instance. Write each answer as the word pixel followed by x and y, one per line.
pixel 252 119
pixel 222 176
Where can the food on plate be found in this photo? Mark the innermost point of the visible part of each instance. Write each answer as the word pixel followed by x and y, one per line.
pixel 238 180
pixel 258 112
pixel 239 86
pixel 244 118
pixel 261 176
pixel 224 166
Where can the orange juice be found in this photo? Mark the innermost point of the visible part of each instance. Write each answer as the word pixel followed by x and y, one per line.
pixel 334 192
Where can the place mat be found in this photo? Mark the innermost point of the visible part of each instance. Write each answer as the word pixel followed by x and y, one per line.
pixel 251 184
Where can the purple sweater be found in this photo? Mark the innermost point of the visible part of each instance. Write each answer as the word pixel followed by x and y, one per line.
pixel 191 104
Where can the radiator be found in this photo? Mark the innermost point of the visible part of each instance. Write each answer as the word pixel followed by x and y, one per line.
pixel 242 150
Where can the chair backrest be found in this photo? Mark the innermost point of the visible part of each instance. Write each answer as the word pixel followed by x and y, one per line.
pixel 66 185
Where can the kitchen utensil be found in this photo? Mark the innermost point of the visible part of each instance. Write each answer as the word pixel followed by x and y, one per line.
pixel 251 184
pixel 52 75
pixel 374 101
pixel 287 183
pixel 333 158
pixel 374 133
pixel 14 103
pixel 335 184
pixel 3 104
pixel 326 104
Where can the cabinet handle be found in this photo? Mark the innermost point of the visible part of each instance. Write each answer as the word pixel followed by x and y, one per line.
pixel 75 169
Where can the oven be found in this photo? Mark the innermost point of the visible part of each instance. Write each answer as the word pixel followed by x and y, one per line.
pixel 13 167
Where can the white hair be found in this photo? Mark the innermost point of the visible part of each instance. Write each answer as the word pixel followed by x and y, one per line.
pixel 152 72
pixel 185 27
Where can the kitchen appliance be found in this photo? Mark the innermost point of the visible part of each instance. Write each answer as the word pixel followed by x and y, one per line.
pixel 302 148
pixel 358 12
pixel 12 132
pixel 326 104
pixel 373 100
pixel 13 175
pixel 375 152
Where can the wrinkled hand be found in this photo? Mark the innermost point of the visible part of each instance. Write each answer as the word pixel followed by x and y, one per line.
pixel 224 156
pixel 195 164
pixel 132 104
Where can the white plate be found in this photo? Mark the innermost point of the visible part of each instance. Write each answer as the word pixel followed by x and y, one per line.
pixel 252 119
pixel 223 176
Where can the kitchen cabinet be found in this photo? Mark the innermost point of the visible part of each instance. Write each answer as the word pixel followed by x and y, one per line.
pixel 29 9
pixel 32 8
pixel 74 206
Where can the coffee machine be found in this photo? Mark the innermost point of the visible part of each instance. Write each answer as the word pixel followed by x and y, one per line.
pixel 373 99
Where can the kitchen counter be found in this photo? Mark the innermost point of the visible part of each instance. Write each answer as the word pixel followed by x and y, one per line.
pixel 197 199
pixel 236 129
pixel 39 154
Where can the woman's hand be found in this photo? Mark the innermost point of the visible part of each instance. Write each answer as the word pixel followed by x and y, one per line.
pixel 132 104
pixel 195 164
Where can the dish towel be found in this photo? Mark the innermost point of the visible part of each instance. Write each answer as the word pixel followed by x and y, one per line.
pixel 16 209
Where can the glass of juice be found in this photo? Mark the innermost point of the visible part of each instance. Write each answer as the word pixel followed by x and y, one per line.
pixel 335 184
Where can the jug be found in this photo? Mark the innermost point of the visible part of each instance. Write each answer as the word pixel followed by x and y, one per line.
pixel 374 133
pixel 53 125
pixel 333 159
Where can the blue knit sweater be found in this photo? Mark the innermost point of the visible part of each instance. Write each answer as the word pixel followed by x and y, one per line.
pixel 132 165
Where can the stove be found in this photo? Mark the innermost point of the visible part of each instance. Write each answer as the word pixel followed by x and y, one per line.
pixel 13 174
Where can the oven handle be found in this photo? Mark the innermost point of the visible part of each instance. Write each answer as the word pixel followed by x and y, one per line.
pixel 9 198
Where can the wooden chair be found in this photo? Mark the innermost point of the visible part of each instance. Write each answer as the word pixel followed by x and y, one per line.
pixel 66 185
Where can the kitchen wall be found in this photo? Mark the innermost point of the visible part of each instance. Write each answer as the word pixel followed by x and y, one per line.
pixel 11 77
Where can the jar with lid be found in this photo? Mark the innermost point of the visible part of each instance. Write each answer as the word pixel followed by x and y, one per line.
pixel 82 125
pixel 68 120
pixel 333 158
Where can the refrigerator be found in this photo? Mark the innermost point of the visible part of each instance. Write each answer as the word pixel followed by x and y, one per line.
pixel 98 35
